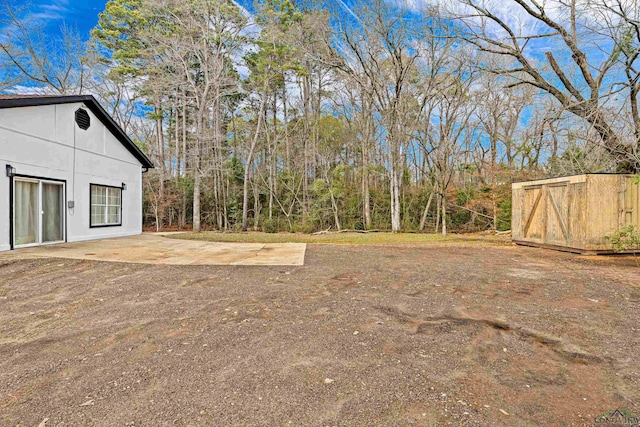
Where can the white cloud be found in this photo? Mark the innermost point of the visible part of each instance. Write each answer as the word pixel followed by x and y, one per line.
pixel 350 11
pixel 54 10
pixel 589 12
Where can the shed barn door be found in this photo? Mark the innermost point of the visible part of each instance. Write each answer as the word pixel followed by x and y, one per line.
pixel 630 203
pixel 557 214
pixel 533 219
pixel 577 215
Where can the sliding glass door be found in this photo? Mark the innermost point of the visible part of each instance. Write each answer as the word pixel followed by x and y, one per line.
pixel 25 211
pixel 52 205
pixel 38 212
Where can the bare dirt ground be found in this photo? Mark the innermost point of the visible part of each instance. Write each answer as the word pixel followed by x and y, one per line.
pixel 360 335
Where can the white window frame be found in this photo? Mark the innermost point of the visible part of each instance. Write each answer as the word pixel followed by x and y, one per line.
pixel 105 214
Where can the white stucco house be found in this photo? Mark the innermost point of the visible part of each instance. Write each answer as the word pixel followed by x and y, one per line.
pixel 68 172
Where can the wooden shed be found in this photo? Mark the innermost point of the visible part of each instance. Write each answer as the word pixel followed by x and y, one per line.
pixel 574 213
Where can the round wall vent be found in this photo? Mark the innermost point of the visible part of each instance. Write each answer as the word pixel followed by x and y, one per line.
pixel 82 119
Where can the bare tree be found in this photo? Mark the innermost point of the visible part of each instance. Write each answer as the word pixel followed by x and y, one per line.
pixel 56 64
pixel 449 129
pixel 500 111
pixel 203 38
pixel 580 85
pixel 380 58
pixel 354 101
pixel 619 22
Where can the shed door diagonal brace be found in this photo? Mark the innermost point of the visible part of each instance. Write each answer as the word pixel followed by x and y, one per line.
pixel 563 225
pixel 532 213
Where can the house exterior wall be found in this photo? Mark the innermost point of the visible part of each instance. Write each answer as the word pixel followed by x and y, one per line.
pixel 39 141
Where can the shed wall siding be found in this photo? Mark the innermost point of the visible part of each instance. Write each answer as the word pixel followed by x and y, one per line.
pixel 39 141
pixel 631 212
pixel 576 212
pixel 603 196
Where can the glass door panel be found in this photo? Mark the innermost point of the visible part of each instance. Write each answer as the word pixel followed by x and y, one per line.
pixel 26 212
pixel 52 222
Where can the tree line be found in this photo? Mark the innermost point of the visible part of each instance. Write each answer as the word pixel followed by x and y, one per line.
pixel 306 116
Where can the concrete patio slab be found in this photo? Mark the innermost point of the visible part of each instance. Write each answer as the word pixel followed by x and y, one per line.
pixel 157 249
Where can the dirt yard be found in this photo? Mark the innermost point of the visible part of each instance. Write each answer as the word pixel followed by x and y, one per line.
pixel 359 335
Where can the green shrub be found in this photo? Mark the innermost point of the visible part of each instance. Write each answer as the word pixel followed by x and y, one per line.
pixel 625 239
pixel 305 227
pixel 269 225
pixel 504 214
pixel 458 218
pixel 463 197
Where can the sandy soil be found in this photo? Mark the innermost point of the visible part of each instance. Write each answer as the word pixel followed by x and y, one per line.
pixel 360 335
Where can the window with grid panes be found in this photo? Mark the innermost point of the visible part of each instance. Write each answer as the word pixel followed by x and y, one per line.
pixel 106 205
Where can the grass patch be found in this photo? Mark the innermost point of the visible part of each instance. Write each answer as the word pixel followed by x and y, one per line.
pixel 346 238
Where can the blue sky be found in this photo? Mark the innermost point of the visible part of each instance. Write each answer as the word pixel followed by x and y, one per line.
pixel 83 14
pixel 78 14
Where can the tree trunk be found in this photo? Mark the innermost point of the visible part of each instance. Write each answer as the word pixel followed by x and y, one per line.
pixel 196 200
pixel 494 201
pixel 366 203
pixel 444 216
pixel 176 171
pixel 197 178
pixel 162 171
pixel 395 194
pixel 247 166
pixel 334 206
pixel 285 112
pixel 184 135
pixel 438 210
pixel 306 134
pixel 256 207
pixel 183 214
pixel 635 116
pixel 423 219
pixel 183 162
pixel 610 140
